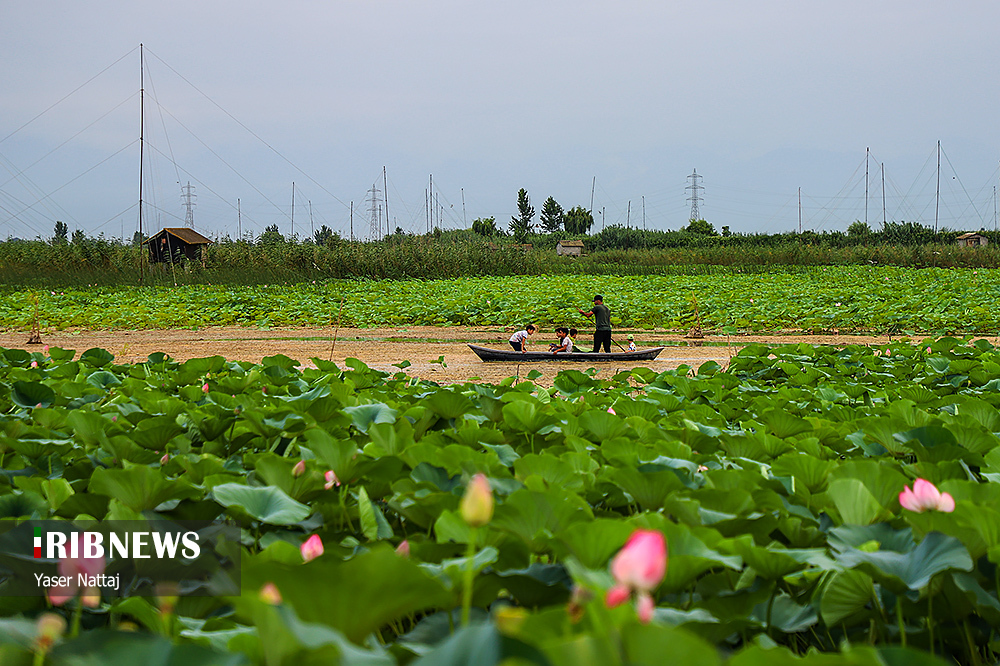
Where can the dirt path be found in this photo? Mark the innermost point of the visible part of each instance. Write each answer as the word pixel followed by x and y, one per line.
pixel 382 347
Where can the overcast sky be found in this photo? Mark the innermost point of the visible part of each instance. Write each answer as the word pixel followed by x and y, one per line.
pixel 244 98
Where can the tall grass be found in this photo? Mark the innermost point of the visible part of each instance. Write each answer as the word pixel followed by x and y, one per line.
pixel 101 261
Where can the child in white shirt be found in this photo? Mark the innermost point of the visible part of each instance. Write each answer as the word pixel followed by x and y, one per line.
pixel 520 339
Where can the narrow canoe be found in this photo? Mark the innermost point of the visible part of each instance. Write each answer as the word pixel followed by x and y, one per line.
pixel 509 355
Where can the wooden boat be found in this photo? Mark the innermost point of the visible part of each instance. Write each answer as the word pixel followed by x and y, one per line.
pixel 511 356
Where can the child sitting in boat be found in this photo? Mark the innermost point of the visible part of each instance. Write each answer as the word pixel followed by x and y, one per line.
pixel 519 341
pixel 566 344
pixel 631 342
pixel 561 332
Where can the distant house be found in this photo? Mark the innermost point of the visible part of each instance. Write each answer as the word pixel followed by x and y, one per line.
pixel 176 244
pixel 972 239
pixel 572 248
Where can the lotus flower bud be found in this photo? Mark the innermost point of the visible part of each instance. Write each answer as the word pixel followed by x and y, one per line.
pixel 476 506
pixel 50 627
pixel 638 567
pixel 299 469
pixel 269 594
pixel 331 479
pixel 311 548
pixel 403 549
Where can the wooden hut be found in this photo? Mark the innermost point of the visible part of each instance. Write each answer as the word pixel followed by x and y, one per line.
pixel 572 248
pixel 972 239
pixel 176 244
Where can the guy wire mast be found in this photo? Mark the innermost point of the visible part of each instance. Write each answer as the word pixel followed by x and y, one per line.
pixel 374 210
pixel 694 198
pixel 189 205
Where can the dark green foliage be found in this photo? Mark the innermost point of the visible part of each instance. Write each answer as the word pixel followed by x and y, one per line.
pixel 700 227
pixel 485 226
pixel 60 234
pixel 578 221
pixel 552 216
pixel 520 225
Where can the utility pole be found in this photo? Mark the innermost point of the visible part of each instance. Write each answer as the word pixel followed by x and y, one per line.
pixel 293 208
pixel 188 205
pixel 694 198
pixel 644 212
pixel 312 227
pixel 867 153
pixel 883 196
pixel 628 216
pixel 937 194
pixel 239 221
pixel 465 222
pixel 352 221
pixel 592 186
pixel 385 191
pixel 800 211
pixel 142 143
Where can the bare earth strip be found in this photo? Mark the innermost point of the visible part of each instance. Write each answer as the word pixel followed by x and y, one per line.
pixel 382 347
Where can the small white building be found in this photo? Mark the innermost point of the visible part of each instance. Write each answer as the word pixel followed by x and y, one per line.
pixel 972 239
pixel 572 248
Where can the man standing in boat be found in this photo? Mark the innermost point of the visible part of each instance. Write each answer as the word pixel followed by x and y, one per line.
pixel 602 322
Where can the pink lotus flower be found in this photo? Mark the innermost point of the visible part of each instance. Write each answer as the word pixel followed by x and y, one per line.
pixel 204 387
pixel 269 594
pixel 925 497
pixel 34 364
pixel 72 568
pixel 299 469
pixel 476 506
pixel 331 479
pixel 611 410
pixel 638 567
pixel 403 549
pixel 311 548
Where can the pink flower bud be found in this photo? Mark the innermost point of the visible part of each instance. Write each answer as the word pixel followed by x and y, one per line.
pixel 403 549
pixel 269 594
pixel 50 626
pixel 476 506
pixel 34 364
pixel 638 567
pixel 204 387
pixel 165 459
pixel 925 497
pixel 611 410
pixel 299 469
pixel 331 480
pixel 311 548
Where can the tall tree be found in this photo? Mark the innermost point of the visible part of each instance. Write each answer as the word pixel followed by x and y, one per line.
pixel 552 216
pixel 520 226
pixel 61 233
pixel 578 220
pixel 485 226
pixel 700 227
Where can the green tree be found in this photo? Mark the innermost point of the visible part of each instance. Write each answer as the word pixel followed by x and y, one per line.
pixel 577 221
pixel 520 226
pixel 485 226
pixel 552 216
pixel 61 233
pixel 858 230
pixel 271 236
pixel 322 235
pixel 79 237
pixel 700 227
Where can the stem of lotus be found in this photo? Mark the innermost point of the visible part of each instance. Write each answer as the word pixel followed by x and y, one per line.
pixel 899 619
pixel 470 554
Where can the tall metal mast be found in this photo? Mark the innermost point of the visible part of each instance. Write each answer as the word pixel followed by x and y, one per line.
pixel 142 125
pixel 694 198
pixel 937 195
pixel 188 204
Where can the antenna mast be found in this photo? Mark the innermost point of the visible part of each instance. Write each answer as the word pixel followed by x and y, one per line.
pixel 694 198
pixel 374 210
pixel 867 154
pixel 188 204
pixel 937 195
pixel 142 126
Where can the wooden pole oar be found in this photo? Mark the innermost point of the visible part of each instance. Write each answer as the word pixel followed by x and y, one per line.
pixel 336 330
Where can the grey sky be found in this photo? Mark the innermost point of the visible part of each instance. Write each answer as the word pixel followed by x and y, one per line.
pixel 761 97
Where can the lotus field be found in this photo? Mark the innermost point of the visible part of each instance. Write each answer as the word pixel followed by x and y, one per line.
pixel 805 505
pixel 822 298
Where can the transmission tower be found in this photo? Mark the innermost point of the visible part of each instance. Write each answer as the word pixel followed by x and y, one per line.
pixel 375 210
pixel 189 204
pixel 694 198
